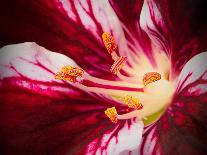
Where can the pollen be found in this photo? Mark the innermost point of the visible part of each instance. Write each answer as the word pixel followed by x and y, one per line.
pixel 118 64
pixel 109 42
pixel 111 113
pixel 151 77
pixel 132 102
pixel 69 73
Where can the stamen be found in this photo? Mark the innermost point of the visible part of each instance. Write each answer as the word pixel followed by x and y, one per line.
pixel 109 42
pixel 112 114
pixel 118 64
pixel 151 77
pixel 111 47
pixel 133 102
pixel 69 73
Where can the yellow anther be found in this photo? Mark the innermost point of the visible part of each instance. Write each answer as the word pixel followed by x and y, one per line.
pixel 151 77
pixel 118 64
pixel 112 114
pixel 109 42
pixel 69 73
pixel 133 102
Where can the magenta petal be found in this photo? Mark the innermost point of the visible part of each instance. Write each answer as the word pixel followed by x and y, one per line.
pixel 41 115
pixel 129 15
pixel 179 33
pixel 182 129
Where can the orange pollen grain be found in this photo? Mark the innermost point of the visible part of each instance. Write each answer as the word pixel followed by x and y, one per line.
pixel 69 73
pixel 111 113
pixel 109 42
pixel 132 102
pixel 151 77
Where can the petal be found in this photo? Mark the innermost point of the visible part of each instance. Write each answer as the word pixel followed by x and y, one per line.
pixel 122 140
pixel 32 67
pixel 182 129
pixel 179 33
pixel 42 115
pixel 129 16
pixel 73 28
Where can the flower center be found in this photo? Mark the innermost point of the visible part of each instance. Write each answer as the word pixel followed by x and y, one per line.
pixel 149 102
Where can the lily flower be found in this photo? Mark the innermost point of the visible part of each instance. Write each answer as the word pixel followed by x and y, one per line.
pixel 151 80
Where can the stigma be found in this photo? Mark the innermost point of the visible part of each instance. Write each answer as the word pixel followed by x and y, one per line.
pixel 69 73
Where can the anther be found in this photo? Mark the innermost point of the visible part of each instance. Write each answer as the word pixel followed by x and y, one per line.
pixel 112 114
pixel 133 102
pixel 109 42
pixel 69 73
pixel 151 77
